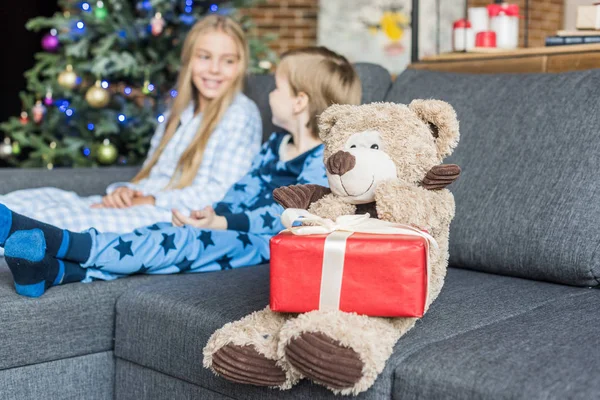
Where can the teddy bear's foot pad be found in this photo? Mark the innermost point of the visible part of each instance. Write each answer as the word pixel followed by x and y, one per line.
pixel 243 364
pixel 324 360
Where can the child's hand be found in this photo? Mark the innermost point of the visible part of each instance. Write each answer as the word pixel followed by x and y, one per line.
pixel 122 197
pixel 205 218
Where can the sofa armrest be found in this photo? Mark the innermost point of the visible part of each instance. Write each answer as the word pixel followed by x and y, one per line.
pixel 83 181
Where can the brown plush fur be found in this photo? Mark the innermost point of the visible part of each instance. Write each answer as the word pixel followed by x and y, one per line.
pixel 416 137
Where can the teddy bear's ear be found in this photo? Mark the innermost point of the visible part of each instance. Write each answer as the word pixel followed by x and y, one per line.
pixel 330 116
pixel 442 122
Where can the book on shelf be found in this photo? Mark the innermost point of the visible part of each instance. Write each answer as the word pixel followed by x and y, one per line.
pixel 568 40
pixel 578 33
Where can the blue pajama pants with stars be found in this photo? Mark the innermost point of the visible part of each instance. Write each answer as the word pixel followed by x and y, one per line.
pixel 165 249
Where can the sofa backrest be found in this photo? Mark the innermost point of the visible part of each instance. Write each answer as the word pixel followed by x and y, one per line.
pixel 528 199
pixel 376 81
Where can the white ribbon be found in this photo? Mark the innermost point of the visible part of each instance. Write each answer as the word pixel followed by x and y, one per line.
pixel 338 232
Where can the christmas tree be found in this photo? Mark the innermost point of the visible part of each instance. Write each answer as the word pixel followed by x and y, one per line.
pixel 105 78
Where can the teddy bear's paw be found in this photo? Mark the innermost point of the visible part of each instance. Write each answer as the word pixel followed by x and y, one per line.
pixel 243 364
pixel 324 360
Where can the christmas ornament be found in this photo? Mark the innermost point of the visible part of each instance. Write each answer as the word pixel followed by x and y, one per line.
pixel 16 148
pixel 100 11
pixel 50 43
pixel 53 145
pixel 24 118
pixel 48 97
pixel 97 96
pixel 5 149
pixel 157 23
pixel 38 112
pixel 107 153
pixel 50 166
pixel 68 78
pixel 146 89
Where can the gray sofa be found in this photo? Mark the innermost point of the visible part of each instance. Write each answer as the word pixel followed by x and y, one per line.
pixel 518 318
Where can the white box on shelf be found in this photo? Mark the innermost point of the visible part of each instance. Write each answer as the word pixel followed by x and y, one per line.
pixel 588 17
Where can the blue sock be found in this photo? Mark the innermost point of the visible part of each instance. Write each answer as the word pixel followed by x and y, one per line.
pixel 59 243
pixel 32 268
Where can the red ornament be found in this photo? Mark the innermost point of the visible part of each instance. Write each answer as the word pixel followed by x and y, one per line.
pixel 24 118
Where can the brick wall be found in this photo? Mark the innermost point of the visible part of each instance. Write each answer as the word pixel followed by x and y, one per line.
pixel 295 21
pixel 545 18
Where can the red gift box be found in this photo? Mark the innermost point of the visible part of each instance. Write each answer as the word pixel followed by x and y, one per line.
pixel 381 275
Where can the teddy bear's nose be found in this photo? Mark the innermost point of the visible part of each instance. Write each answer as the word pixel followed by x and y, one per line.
pixel 340 163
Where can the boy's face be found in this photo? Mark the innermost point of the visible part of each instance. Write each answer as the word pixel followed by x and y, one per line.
pixel 215 64
pixel 282 102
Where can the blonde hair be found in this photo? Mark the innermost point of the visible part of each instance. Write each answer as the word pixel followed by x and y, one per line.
pixel 326 77
pixel 190 160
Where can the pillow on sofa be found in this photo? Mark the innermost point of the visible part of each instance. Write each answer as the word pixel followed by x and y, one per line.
pixel 528 200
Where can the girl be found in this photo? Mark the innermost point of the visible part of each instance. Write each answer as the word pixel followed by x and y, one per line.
pixel 211 135
pixel 235 233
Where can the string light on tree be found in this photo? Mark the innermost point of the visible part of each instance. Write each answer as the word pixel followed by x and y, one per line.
pixel 85 6
pixel 68 78
pixel 97 96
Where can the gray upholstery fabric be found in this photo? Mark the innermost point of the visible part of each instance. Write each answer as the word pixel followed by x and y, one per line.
pixel 175 318
pixel 136 382
pixel 68 321
pixel 375 80
pixel 527 201
pixel 549 352
pixel 89 377
pixel 84 181
pixel 258 88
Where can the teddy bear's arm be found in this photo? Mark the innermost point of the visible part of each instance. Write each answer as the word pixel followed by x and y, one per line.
pixel 331 207
pixel 299 196
pixel 413 205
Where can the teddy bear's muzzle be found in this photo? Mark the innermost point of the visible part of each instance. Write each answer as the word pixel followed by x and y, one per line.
pixel 340 163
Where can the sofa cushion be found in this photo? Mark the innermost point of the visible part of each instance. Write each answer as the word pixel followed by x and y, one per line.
pixel 527 200
pixel 68 321
pixel 84 181
pixel 375 81
pixel 258 87
pixel 164 325
pixel 549 352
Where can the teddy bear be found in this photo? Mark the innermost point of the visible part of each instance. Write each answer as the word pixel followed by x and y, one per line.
pixel 383 159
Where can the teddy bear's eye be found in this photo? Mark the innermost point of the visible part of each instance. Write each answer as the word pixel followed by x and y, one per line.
pixel 353 146
pixel 375 147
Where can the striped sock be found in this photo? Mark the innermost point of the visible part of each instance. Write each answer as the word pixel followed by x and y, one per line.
pixel 33 269
pixel 60 243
